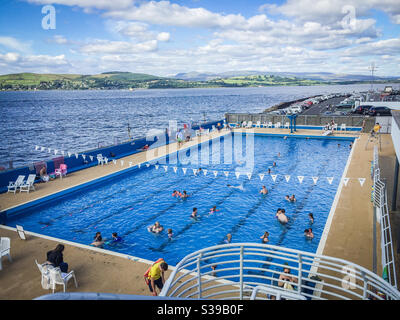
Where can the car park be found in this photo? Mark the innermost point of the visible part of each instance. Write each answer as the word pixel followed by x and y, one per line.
pixel 379 111
pixel 363 109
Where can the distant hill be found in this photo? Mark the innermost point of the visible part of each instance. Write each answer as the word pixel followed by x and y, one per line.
pixel 129 80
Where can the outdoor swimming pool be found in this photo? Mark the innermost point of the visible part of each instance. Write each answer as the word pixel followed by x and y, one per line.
pixel 129 203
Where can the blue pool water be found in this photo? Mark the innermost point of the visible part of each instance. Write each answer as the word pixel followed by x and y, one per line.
pixel 131 202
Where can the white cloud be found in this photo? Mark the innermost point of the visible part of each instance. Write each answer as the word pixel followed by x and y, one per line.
pixel 98 4
pixel 163 36
pixel 106 46
pixel 10 57
pixel 14 44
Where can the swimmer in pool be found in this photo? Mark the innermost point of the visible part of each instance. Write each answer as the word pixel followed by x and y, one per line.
pixel 269 170
pixel 264 237
pixel 240 187
pixel 184 195
pixel 176 194
pixel 292 198
pixel 170 234
pixel 156 228
pixel 281 216
pixel 274 164
pixel 308 233
pixel 228 238
pixel 287 198
pixel 194 213
pixel 98 240
pixel 213 210
pixel 264 190
pixel 311 217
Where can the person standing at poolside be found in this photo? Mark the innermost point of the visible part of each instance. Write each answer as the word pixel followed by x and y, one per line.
pixel 155 276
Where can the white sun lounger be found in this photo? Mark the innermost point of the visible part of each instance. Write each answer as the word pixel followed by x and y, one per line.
pixel 13 186
pixel 28 184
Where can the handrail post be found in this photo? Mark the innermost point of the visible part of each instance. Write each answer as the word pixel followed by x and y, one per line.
pixel 199 275
pixel 241 272
pixel 299 280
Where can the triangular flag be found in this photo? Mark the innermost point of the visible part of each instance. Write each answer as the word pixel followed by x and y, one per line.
pixel 237 174
pixel 261 175
pixel 36 148
pixel 91 158
pixel 55 152
pixel 156 166
pixel 69 154
pixel 83 156
pixel 346 181
pixel 226 173
pixel 42 148
pixel 130 164
pixel 361 180
pixel 287 177
pixel 115 161
pixel 330 179
pixel 184 170
pixel 215 173
pixel 139 165
pixel 147 165
pixel 205 171
pixel 63 153
pixel 301 178
pixel 194 171
pixel 76 155
pixel 249 175
pixel 273 176
pixel 175 169
pixel 315 179
pixel 49 150
pixel 165 168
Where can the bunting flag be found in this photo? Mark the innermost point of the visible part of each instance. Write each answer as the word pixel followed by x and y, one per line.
pixel 147 165
pixel 184 170
pixel 205 171
pixel 130 164
pixel 139 165
pixel 361 180
pixel 215 173
pixel 346 181
pixel 301 178
pixel 274 176
pixel 63 152
pixel 175 169
pixel 55 152
pixel 36 148
pixel 287 177
pixel 49 150
pixel 83 156
pixel 42 148
pixel 76 155
pixel 156 166
pixel 261 175
pixel 122 163
pixel 237 174
pixel 194 172
pixel 91 158
pixel 115 161
pixel 249 175
pixel 330 179
pixel 69 154
pixel 226 173
pixel 315 179
pixel 165 168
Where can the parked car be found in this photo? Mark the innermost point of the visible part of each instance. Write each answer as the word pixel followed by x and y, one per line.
pixel 362 109
pixel 380 111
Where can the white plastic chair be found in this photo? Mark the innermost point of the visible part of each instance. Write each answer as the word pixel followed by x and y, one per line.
pixel 258 125
pixel 58 277
pixel 100 159
pixel 343 127
pixel 14 185
pixel 270 124
pixel 5 246
pixel 334 127
pixel 197 133
pixel 277 125
pixel 287 125
pixel 28 184
pixel 249 124
pixel 244 124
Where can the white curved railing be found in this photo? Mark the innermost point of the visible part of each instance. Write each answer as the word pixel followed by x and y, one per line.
pixel 251 271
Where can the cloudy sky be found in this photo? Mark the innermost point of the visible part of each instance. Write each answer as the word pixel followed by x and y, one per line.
pixel 168 37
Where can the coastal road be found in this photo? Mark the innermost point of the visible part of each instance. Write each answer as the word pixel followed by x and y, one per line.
pixel 320 108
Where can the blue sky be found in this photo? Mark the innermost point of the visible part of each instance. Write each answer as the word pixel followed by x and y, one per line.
pixel 168 37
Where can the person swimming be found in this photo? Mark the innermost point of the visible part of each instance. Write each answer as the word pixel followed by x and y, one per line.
pixel 194 213
pixel 184 195
pixel 264 237
pixel 213 210
pixel 228 238
pixel 311 217
pixel 170 234
pixel 264 190
pixel 281 216
pixel 176 194
pixel 98 240
pixel 240 187
pixel 292 198
pixel 156 228
pixel 308 233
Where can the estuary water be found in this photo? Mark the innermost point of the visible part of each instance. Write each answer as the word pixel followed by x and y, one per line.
pixel 77 121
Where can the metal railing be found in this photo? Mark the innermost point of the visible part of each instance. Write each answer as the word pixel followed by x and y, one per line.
pixel 256 271
pixel 382 210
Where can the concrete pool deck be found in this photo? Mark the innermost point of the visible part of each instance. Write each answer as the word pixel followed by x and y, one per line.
pixel 349 237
